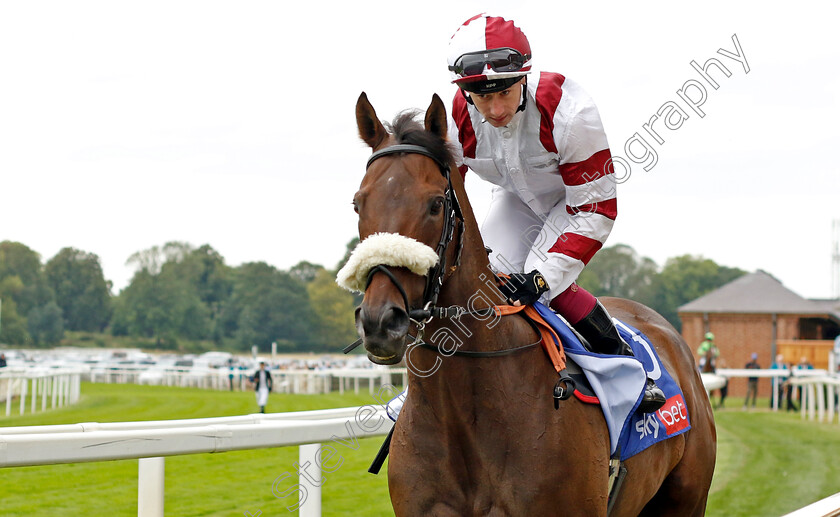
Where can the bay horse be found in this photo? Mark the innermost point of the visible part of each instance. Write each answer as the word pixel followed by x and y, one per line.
pixel 709 361
pixel 479 434
pixel 708 364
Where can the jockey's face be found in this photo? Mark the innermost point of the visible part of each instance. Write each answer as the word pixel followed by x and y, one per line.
pixel 498 108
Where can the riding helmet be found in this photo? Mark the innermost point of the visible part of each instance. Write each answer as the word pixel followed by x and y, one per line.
pixel 488 54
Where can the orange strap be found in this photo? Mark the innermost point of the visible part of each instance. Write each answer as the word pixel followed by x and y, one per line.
pixel 550 340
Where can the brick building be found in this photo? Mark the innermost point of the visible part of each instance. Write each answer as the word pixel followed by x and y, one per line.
pixel 756 313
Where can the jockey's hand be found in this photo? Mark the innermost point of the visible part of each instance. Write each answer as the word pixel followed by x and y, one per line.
pixel 524 288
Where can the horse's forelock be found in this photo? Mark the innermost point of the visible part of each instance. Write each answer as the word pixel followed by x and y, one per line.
pixel 407 130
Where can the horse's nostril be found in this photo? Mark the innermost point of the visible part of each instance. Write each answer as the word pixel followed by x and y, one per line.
pixel 395 322
pixel 360 322
pixel 366 324
pixel 392 322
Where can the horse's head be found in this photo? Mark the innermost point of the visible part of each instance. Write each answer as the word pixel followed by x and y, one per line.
pixel 407 215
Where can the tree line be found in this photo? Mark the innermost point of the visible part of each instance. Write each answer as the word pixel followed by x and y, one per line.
pixel 180 294
pixel 620 271
pixel 177 294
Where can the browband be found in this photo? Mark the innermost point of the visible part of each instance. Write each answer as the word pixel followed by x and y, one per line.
pixel 407 148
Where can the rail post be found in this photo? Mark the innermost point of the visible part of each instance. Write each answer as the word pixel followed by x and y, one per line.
pixel 309 464
pixel 150 487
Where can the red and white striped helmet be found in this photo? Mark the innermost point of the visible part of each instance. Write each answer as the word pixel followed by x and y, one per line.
pixel 488 49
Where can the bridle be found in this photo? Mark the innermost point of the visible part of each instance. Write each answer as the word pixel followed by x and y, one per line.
pixel 452 219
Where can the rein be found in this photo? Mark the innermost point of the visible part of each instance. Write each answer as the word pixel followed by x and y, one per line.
pixel 479 355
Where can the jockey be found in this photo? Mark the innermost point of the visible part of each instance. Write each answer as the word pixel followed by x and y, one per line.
pixel 707 344
pixel 539 139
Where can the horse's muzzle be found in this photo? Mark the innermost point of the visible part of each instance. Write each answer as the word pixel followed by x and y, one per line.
pixel 383 331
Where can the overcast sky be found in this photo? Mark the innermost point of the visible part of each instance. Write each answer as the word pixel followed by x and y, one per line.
pixel 125 125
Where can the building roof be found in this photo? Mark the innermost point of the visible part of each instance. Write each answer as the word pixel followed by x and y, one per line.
pixel 760 293
pixel 829 306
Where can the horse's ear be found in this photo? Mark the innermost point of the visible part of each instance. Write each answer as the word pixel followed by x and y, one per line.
pixel 370 128
pixel 436 117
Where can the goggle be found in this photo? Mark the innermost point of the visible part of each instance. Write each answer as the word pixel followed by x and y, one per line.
pixel 499 59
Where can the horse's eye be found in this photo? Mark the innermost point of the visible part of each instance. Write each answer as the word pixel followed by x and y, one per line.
pixel 355 206
pixel 436 206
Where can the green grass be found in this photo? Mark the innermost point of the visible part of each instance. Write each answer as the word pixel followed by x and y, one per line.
pixel 768 463
pixel 230 483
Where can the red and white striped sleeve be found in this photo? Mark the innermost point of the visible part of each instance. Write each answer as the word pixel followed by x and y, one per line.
pixel 461 133
pixel 571 127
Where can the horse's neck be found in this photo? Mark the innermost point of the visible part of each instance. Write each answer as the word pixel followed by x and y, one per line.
pixel 472 285
pixel 444 383
pixel 709 365
pixel 472 279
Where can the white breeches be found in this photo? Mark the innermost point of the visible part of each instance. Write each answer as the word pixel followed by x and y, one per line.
pixel 262 397
pixel 520 240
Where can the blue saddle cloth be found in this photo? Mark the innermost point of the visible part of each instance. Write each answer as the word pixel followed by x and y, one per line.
pixel 619 383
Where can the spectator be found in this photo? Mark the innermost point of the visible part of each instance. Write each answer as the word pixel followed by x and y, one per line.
pixel 752 382
pixel 779 382
pixel 230 373
pixel 803 364
pixel 262 385
pixel 724 391
pixel 791 406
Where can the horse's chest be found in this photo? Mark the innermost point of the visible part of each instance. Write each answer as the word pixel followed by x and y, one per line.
pixel 481 475
pixel 502 462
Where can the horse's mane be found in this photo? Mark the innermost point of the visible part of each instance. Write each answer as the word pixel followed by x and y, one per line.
pixel 407 130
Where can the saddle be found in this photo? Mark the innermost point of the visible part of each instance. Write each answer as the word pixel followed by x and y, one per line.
pixel 583 390
pixel 619 381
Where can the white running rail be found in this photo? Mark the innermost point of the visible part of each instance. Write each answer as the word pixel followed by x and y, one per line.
pixel 54 387
pixel 151 441
pixel 712 381
pixel 828 507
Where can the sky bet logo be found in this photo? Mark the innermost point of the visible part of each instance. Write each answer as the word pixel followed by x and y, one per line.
pixel 673 416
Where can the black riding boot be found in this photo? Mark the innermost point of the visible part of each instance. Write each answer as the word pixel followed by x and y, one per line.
pixel 597 327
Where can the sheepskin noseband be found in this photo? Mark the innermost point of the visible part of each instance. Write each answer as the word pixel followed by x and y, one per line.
pixel 390 249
